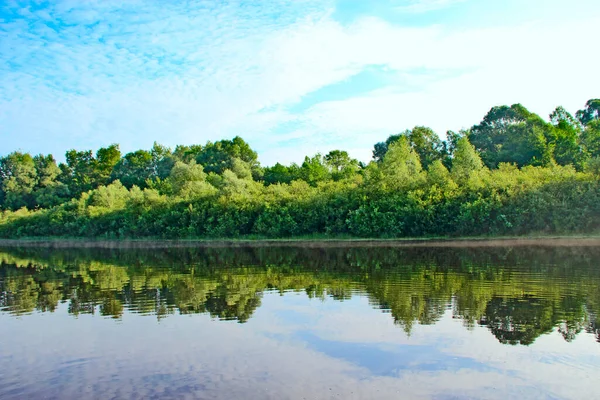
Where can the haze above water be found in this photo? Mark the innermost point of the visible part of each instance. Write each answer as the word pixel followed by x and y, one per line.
pixel 294 323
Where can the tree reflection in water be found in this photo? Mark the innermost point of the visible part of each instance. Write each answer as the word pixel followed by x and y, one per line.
pixel 518 293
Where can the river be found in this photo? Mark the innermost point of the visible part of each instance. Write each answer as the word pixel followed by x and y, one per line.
pixel 301 322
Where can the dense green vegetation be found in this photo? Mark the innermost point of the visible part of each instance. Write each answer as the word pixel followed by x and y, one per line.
pixel 517 293
pixel 513 173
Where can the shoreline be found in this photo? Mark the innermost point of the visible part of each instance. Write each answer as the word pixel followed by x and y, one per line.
pixel 557 241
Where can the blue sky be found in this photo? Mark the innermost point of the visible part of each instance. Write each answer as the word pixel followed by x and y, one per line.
pixel 292 77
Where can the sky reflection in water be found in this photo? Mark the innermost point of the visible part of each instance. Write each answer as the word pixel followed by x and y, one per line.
pixel 300 323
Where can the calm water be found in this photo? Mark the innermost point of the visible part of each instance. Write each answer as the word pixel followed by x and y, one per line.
pixel 293 323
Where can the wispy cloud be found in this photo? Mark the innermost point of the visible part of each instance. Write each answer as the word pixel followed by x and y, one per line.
pixel 86 74
pixel 419 6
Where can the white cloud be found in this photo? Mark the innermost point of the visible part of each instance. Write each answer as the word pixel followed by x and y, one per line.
pixel 499 66
pixel 418 6
pixel 178 74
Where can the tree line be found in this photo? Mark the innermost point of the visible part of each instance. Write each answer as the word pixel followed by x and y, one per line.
pixel 512 173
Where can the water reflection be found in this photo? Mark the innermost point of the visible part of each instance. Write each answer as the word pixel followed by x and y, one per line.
pixel 518 293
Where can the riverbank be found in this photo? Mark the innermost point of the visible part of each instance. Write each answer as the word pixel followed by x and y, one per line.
pixel 562 241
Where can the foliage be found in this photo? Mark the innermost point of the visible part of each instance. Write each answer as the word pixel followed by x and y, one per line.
pixel 513 291
pixel 424 141
pixel 401 166
pixel 512 174
pixel 466 163
pixel 590 113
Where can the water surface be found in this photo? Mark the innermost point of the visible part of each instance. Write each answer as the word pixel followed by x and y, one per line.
pixel 293 323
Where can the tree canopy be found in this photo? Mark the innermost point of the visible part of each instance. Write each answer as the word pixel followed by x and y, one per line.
pixel 513 172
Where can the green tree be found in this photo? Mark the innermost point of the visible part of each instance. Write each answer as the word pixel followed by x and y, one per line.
pixel 427 144
pixel 189 181
pixel 401 166
pixel 18 178
pixel 381 148
pixel 106 159
pixel 439 176
pixel 163 161
pixel 48 191
pixel 513 135
pixel 466 162
pixel 450 144
pixel 217 157
pixel 565 138
pixel 423 140
pixel 79 171
pixel 280 173
pixel 187 153
pixel 52 195
pixel 340 164
pixel 592 166
pixel 590 113
pixel 47 170
pixel 314 170
pixel 134 168
pixel 590 139
pixel 109 198
pixel 83 172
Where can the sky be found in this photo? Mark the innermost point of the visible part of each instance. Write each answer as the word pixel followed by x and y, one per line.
pixel 291 77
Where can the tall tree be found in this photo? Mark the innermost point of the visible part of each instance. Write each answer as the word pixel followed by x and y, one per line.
pixel 565 138
pixel 514 135
pixel 380 149
pixel 439 176
pixel 423 140
pixel 217 157
pixel 466 162
pixel 134 168
pixel 590 139
pixel 401 166
pixel 18 178
pixel 46 169
pixel 450 144
pixel 49 191
pixel 427 144
pixel 187 153
pixel 189 180
pixel 590 113
pixel 106 159
pixel 314 170
pixel 279 173
pixel 340 164
pixel 78 173
pixel 162 161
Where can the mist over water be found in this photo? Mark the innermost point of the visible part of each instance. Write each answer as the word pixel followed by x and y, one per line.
pixel 301 322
